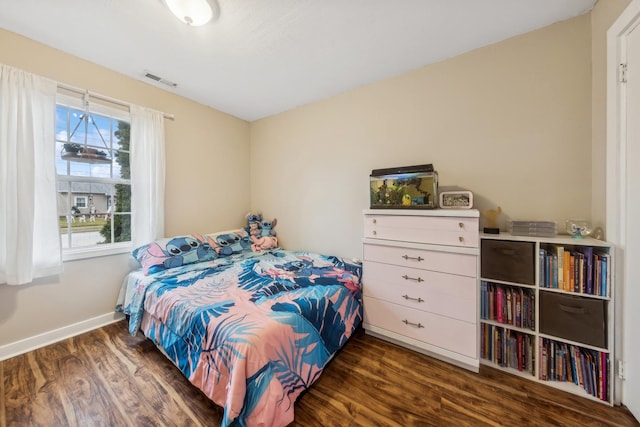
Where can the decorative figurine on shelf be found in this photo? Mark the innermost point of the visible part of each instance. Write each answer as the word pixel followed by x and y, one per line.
pixel 578 228
pixel 491 220
pixel 406 200
pixel 598 233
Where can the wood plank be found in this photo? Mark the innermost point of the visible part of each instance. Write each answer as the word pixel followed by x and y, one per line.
pixel 108 377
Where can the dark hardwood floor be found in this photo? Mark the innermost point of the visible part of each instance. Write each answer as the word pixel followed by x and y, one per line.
pixel 108 378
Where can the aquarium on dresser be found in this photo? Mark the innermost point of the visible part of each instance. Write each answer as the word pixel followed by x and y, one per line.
pixel 405 187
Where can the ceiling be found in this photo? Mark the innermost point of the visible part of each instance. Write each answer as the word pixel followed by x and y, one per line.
pixel 262 57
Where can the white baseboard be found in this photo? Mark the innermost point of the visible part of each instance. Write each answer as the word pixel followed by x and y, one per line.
pixel 23 346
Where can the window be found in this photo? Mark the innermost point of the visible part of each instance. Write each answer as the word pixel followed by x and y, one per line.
pixel 93 178
pixel 80 201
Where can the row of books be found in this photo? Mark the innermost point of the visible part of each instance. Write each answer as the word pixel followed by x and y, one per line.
pixel 580 269
pixel 586 368
pixel 506 304
pixel 508 348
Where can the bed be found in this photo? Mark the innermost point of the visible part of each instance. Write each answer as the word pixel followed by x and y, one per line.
pixel 252 329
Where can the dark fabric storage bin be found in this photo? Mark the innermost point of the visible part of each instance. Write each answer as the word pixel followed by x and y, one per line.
pixel 508 260
pixel 573 318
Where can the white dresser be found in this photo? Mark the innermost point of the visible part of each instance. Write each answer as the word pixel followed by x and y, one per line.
pixel 420 281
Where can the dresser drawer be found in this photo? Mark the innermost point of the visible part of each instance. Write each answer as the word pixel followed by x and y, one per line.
pixel 446 262
pixel 451 231
pixel 435 292
pixel 440 331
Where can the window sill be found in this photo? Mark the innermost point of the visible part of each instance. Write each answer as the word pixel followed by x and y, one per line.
pixel 97 251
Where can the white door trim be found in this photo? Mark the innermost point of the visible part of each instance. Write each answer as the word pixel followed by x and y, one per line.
pixel 616 203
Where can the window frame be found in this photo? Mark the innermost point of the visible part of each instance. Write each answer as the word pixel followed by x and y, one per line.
pixel 107 249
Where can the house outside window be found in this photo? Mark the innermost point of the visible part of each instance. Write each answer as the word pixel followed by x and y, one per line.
pixel 93 178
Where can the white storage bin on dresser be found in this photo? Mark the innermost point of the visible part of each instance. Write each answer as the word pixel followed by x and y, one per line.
pixel 420 281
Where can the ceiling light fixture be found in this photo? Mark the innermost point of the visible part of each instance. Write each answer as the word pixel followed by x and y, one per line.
pixel 191 12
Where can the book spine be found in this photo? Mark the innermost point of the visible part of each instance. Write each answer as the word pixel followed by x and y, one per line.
pixel 543 360
pixel 572 273
pixel 499 303
pixel 589 256
pixel 541 267
pixel 518 315
pixel 560 269
pixel 566 271
pixel 605 276
pixel 509 306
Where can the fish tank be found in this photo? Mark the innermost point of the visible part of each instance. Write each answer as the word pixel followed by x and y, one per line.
pixel 406 187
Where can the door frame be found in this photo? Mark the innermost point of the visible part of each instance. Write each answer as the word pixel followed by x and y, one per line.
pixel 616 203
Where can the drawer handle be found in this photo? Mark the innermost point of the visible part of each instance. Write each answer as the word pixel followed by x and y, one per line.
pixel 573 310
pixel 461 224
pixel 461 238
pixel 374 232
pixel 419 258
pixel 418 325
pixel 374 221
pixel 407 297
pixel 419 279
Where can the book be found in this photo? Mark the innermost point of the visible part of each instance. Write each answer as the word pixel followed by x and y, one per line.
pixel 553 265
pixel 574 365
pixel 520 347
pixel 499 303
pixel 578 360
pixel 560 266
pixel 581 272
pixel 543 360
pixel 533 228
pixel 552 365
pixel 605 267
pixel 547 271
pixel 604 361
pixel 572 273
pixel 597 283
pixel 483 293
pixel 566 271
pixel 492 302
pixel 588 269
pixel 509 309
pixel 518 308
pixel 567 359
pixel 541 267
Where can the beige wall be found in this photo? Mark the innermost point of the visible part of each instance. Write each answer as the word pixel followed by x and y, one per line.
pixel 207 189
pixel 602 17
pixel 511 122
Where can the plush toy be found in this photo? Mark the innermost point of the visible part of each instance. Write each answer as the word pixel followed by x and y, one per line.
pixel 263 242
pixel 267 228
pixel 175 252
pixel 229 244
pixel 253 223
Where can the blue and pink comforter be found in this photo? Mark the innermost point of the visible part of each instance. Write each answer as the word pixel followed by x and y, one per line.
pixel 253 330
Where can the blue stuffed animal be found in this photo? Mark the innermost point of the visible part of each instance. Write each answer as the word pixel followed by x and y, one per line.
pixel 187 250
pixel 253 223
pixel 267 228
pixel 229 244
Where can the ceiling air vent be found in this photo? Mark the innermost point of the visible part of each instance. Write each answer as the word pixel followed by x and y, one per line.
pixel 159 79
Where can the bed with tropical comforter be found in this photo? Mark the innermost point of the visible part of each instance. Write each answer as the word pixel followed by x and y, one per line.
pixel 251 329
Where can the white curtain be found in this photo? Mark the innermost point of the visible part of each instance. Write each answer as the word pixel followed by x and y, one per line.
pixel 29 233
pixel 147 161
